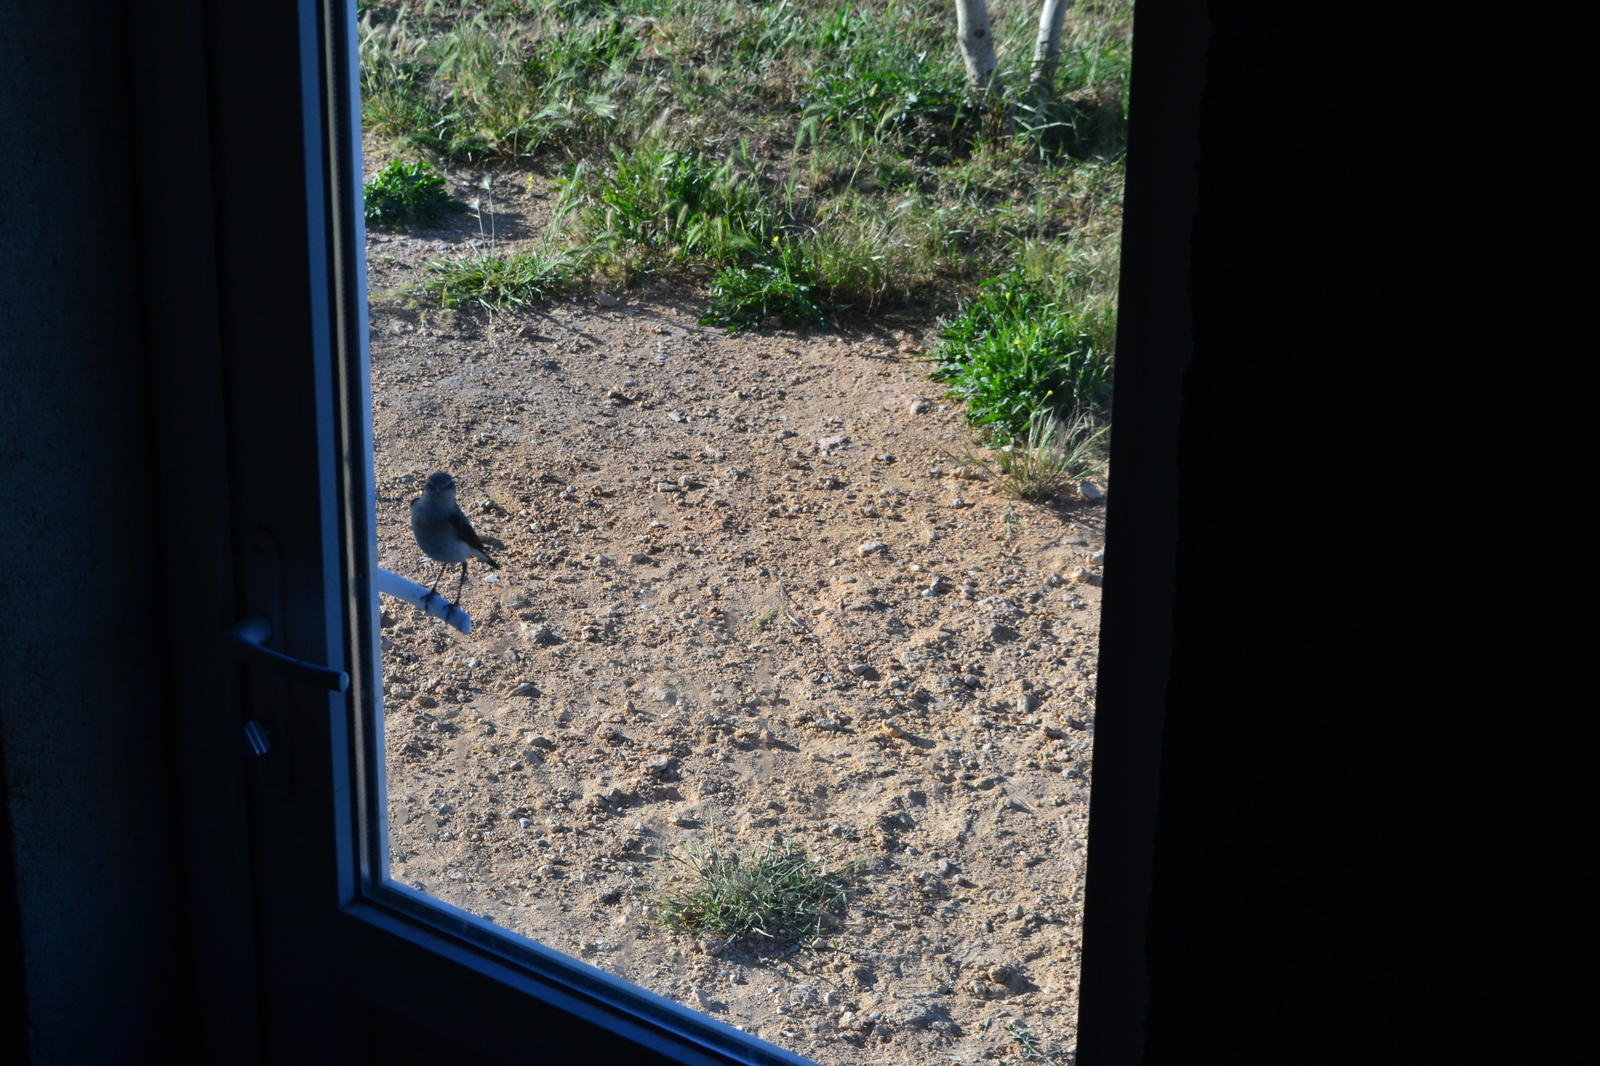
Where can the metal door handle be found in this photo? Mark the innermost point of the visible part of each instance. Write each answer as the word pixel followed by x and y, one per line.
pixel 249 639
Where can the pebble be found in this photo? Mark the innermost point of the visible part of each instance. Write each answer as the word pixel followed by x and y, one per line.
pixel 946 867
pixel 861 669
pixel 920 406
pixel 526 823
pixel 958 503
pixel 605 299
pixel 676 416
pixel 527 688
pixel 1097 558
pixel 1079 574
pixel 1088 490
pixel 872 547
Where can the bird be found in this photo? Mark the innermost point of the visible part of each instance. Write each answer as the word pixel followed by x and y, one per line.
pixel 443 532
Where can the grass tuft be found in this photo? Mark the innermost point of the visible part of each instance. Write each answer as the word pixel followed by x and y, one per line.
pixel 408 194
pixel 1018 351
pixel 775 896
pixel 745 297
pixel 1051 460
pixel 498 283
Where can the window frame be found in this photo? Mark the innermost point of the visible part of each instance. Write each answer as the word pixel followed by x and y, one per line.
pixel 271 91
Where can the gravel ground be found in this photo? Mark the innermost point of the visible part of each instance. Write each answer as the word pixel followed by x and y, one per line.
pixel 746 597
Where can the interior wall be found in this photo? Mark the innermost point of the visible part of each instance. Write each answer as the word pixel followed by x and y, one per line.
pixel 84 699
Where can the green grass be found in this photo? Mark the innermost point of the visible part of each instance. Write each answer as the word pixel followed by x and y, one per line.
pixel 1019 352
pixel 687 135
pixel 773 897
pixel 780 288
pixel 408 194
pixel 496 283
pixel 1050 458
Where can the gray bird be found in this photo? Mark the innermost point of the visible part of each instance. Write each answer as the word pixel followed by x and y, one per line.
pixel 443 532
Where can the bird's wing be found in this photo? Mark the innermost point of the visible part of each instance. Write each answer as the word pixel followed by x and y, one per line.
pixel 469 537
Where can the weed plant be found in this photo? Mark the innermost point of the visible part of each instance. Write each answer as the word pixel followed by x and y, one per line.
pixel 1050 460
pixel 773 897
pixel 1019 355
pixel 408 194
pixel 743 297
pixel 497 283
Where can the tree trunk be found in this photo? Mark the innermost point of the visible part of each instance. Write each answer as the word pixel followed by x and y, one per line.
pixel 1047 50
pixel 977 43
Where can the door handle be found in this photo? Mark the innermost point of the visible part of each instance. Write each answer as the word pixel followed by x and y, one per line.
pixel 249 639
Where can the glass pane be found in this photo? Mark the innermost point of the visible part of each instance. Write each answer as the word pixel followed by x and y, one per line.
pixel 778 695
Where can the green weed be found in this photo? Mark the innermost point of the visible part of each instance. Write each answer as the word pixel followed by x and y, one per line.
pixel 674 206
pixel 774 896
pixel 1014 353
pixel 408 194
pixel 1050 461
pixel 745 297
pixel 498 283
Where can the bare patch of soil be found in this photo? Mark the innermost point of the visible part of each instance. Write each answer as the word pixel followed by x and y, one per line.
pixel 745 597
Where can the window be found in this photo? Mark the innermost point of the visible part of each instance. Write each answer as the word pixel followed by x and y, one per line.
pixel 322 853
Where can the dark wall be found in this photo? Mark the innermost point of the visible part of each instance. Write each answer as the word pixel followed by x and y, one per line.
pixel 82 694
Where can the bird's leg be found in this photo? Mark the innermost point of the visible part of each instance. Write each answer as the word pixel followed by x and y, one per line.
pixel 433 590
pixel 463 582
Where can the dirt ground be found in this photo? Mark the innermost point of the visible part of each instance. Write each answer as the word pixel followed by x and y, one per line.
pixel 746 596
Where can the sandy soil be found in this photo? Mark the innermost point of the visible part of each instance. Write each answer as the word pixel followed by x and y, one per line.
pixel 745 597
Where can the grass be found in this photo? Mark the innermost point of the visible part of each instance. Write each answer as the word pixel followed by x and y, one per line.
pixel 744 297
pixel 1023 353
pixel 772 897
pixel 1030 1050
pixel 497 283
pixel 408 194
pixel 1052 458
pixel 686 136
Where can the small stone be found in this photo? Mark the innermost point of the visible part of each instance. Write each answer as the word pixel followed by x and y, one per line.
pixel 1079 574
pixel 767 738
pixel 958 503
pixel 676 416
pixel 970 680
pixel 712 945
pixel 548 870
pixel 920 406
pixel 861 669
pixel 427 701
pixel 537 633
pixel 1017 913
pixel 1097 558
pixel 946 867
pixel 527 688
pixel 827 443
pixel 609 895
pixel 613 795
pixel 872 547
pixel 525 823
pixel 998 974
pixel 605 299
pixel 1088 490
pixel 639 559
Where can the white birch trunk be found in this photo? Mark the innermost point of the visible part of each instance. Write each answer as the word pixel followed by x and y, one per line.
pixel 1047 49
pixel 976 41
